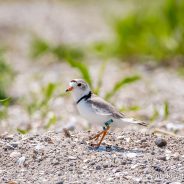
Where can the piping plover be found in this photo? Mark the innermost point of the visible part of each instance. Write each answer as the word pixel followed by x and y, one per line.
pixel 96 110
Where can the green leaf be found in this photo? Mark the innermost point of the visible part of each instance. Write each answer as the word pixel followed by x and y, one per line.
pixel 5 100
pixel 52 121
pixel 49 90
pixel 66 51
pixel 6 76
pixel 39 47
pixel 130 108
pixel 155 115
pixel 166 109
pixel 100 77
pixel 21 131
pixel 120 84
pixel 82 68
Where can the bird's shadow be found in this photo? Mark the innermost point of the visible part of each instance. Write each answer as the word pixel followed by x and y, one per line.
pixel 109 148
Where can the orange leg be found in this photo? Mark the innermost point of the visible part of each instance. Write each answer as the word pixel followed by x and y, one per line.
pixel 97 136
pixel 104 133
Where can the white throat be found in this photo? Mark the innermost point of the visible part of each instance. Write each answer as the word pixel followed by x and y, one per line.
pixel 77 94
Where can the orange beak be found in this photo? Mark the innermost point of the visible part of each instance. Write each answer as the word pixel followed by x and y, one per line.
pixel 69 89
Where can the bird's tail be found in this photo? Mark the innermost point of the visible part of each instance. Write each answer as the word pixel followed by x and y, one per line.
pixel 133 121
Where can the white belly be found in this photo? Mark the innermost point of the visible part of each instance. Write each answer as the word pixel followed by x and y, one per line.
pixel 89 114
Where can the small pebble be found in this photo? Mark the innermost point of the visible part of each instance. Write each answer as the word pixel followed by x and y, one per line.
pixel 15 154
pixel 60 182
pixel 105 166
pixel 98 167
pixel 72 158
pixel 21 160
pixel 160 142
pixel 12 182
pixel 9 137
pixel 162 158
pixel 120 137
pixel 108 148
pixel 15 144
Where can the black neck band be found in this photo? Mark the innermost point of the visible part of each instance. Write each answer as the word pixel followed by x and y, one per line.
pixel 85 97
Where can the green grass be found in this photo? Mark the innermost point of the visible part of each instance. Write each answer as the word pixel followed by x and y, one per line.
pixel 40 102
pixel 166 109
pixel 120 84
pixel 153 30
pixel 41 47
pixel 4 104
pixel 6 76
pixel 132 108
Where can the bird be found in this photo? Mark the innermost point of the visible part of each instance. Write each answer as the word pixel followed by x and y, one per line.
pixel 96 110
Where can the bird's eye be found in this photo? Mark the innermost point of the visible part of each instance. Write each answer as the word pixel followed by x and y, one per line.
pixel 79 84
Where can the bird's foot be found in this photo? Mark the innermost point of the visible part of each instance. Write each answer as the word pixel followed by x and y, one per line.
pixel 95 145
pixel 103 133
pixel 96 137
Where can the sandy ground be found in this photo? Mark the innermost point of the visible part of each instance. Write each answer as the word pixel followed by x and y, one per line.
pixel 124 157
pixel 49 157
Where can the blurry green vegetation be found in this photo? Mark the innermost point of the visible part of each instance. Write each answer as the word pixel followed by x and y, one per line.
pixel 153 30
pixel 40 47
pixel 120 84
pixel 40 102
pixel 4 108
pixel 100 77
pixel 52 120
pixel 180 71
pixel 166 109
pixel 21 131
pixel 130 108
pixel 73 56
pixel 6 76
pixel 157 113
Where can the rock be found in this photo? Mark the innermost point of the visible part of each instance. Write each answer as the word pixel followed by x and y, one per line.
pixel 49 140
pixel 116 170
pixel 123 163
pixel 110 179
pixel 134 166
pixel 157 168
pixel 60 182
pixel 117 174
pixel 131 155
pixel 98 167
pixel 72 158
pixel 12 182
pixel 14 144
pixel 162 158
pixel 15 154
pixel 160 142
pixel 176 156
pixel 86 161
pixel 105 166
pixel 21 160
pixel 9 137
pixel 108 148
pixel 120 137
pixel 55 162
pixel 66 132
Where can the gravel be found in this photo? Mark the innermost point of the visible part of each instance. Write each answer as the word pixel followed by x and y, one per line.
pixel 53 158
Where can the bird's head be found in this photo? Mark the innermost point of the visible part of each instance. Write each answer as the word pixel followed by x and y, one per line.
pixel 79 88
